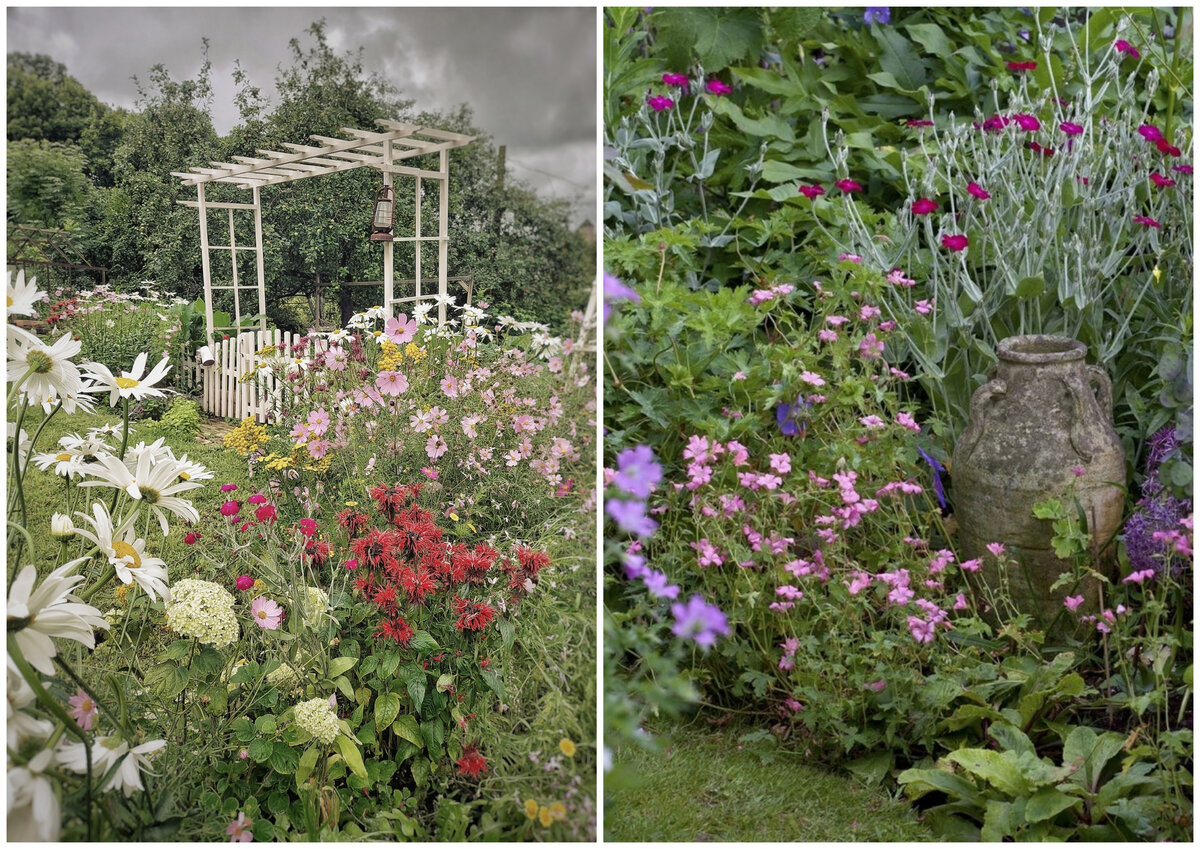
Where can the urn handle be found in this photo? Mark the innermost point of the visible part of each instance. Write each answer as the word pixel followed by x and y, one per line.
pixel 1084 403
pixel 1098 379
pixel 981 402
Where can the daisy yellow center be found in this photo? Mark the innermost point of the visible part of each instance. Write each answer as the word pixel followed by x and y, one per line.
pixel 10 301
pixel 149 494
pixel 126 551
pixel 185 476
pixel 126 382
pixel 39 362
pixel 64 457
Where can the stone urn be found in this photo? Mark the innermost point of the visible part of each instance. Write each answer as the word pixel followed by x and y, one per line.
pixel 1041 427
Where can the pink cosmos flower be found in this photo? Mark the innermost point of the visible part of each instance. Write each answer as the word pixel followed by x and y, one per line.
pixel 1026 122
pixel 659 102
pixel 435 446
pixel 924 206
pixel 318 422
pixel 450 386
pixel 391 383
pixel 1147 221
pixel 848 185
pixel 677 80
pixel 430 472
pixel 400 330
pixel 239 830
pixel 812 192
pixel 1071 129
pixel 318 448
pixel 977 191
pixel 244 582
pixel 957 242
pixel 717 87
pixel 267 614
pixel 335 358
pixel 83 710
pixel 1073 602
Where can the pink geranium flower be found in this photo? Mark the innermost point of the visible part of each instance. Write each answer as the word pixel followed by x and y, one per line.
pixel 400 330
pixel 996 548
pixel 1073 602
pixel 83 710
pixel 267 614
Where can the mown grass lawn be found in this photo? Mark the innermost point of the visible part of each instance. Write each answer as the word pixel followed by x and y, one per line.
pixel 704 785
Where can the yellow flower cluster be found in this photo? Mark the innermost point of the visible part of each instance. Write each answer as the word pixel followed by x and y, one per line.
pixel 203 610
pixel 246 437
pixel 545 815
pixel 317 718
pixel 275 462
pixel 391 357
pixel 415 352
pixel 268 351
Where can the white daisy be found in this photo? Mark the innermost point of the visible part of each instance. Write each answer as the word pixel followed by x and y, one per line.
pixel 47 370
pixel 23 444
pixel 131 384
pixel 36 615
pixel 23 295
pixel 443 300
pixel 421 313
pixel 65 463
pixel 33 809
pixel 126 552
pixel 106 752
pixel 154 483
pixel 190 470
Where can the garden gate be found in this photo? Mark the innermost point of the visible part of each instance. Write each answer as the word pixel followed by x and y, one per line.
pixel 235 355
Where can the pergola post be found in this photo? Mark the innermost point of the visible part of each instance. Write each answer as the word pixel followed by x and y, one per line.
pixel 261 266
pixel 389 246
pixel 443 231
pixel 204 264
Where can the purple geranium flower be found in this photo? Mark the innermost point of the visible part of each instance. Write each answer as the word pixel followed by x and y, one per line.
pixel 792 418
pixel 615 290
pixel 637 473
pixel 656 583
pixel 700 621
pixel 877 15
pixel 630 517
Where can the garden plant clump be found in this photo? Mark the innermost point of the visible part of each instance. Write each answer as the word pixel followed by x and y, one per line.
pixel 349 637
pixel 815 238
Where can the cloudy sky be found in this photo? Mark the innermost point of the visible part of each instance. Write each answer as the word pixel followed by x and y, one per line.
pixel 528 74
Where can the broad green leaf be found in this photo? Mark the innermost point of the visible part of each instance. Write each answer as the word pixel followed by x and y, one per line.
pixel 308 762
pixel 996 768
pixel 167 680
pixel 444 682
pixel 494 682
pixel 918 782
pixel 1011 738
pixel 284 758
pixel 245 674
pixel 260 749
pixel 416 692
pixel 719 37
pixel 423 642
pixel 387 706
pixel 931 37
pixel 348 749
pixel 406 726
pixel 1030 287
pixel 898 58
pixel 769 81
pixel 343 685
pixel 1047 803
pixel 768 126
pixel 420 771
pixel 207 661
pixel 434 734
pixel 341 665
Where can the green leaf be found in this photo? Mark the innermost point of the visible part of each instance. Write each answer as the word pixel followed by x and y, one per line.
pixel 341 665
pixel 769 81
pixel 217 697
pixel 508 632
pixel 266 725
pixel 494 682
pixel 264 830
pixel 207 661
pixel 278 802
pixel 343 685
pixel 416 691
pixel 389 663
pixel 308 762
pixel 243 729
pixel 423 642
pixel 898 58
pixel 1030 287
pixel 260 749
pixel 406 727
pixel 769 126
pixel 719 37
pixel 420 771
pixel 348 749
pixel 998 769
pixel 178 650
pixel 444 682
pixel 167 680
pixel 931 37
pixel 785 172
pixel 246 673
pixel 434 733
pixel 1047 803
pixel 284 758
pixel 387 707
pixel 873 768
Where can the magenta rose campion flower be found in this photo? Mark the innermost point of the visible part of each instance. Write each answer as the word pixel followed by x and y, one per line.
pixel 924 206
pixel 1147 221
pixel 717 87
pixel 677 80
pixel 1028 123
pixel 957 242
pixel 659 102
pixel 848 185
pixel 1022 66
pixel 1070 129
pixel 811 192
pixel 1161 181
pixel 977 191
pixel 1123 46
pixel 244 582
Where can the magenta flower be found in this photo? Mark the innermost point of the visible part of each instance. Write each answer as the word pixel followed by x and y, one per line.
pixel 228 487
pixel 847 185
pixel 699 621
pixel 230 508
pixel 924 206
pixel 1124 46
pixel 1022 66
pixel 1028 123
pixel 971 565
pixel 1073 602
pixel 1161 181
pixel 918 122
pixel 678 80
pixel 83 710
pixel 637 472
pixel 921 629
pixel 996 548
pixel 267 614
pixel 924 307
pixel 995 124
pixel 977 191
pixel 1150 133
pixel 811 192
pixel 717 87
pixel 257 498
pixel 1071 129
pixel 955 243
pixel 1166 147
pixel 1182 169
pixel 1044 151
pixel 1147 221
pixel 244 582
pixel 659 102
pixel 400 330
pixel 239 830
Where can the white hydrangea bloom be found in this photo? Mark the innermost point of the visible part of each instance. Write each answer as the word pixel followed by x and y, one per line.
pixel 203 610
pixel 317 718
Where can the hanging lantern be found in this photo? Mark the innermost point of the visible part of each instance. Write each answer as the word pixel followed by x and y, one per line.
pixel 381 224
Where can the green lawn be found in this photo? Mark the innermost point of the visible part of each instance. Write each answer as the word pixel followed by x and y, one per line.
pixel 704 785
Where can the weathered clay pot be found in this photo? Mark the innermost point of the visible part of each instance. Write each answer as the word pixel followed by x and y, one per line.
pixel 1041 427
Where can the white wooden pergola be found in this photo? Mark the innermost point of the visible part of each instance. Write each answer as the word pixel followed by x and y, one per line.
pixel 380 150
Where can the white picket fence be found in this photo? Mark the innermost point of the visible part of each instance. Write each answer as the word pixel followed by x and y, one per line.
pixel 234 387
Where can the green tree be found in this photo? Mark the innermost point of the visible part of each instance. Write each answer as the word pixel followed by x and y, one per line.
pixel 47 186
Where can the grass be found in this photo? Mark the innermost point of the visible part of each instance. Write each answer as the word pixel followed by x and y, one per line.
pixel 706 785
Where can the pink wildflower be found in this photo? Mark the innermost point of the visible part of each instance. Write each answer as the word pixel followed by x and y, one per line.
pixel 83 710
pixel 267 614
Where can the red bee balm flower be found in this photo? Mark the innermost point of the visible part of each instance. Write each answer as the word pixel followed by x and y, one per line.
pixel 812 192
pixel 471 764
pixel 659 102
pixel 1161 181
pixel 717 87
pixel 924 206
pixel 1147 221
pixel 1022 66
pixel 977 191
pixel 955 243
pixel 848 185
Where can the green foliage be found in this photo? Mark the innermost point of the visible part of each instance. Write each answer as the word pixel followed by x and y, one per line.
pixel 47 186
pixel 182 418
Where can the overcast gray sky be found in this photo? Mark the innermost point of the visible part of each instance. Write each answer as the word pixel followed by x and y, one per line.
pixel 528 74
